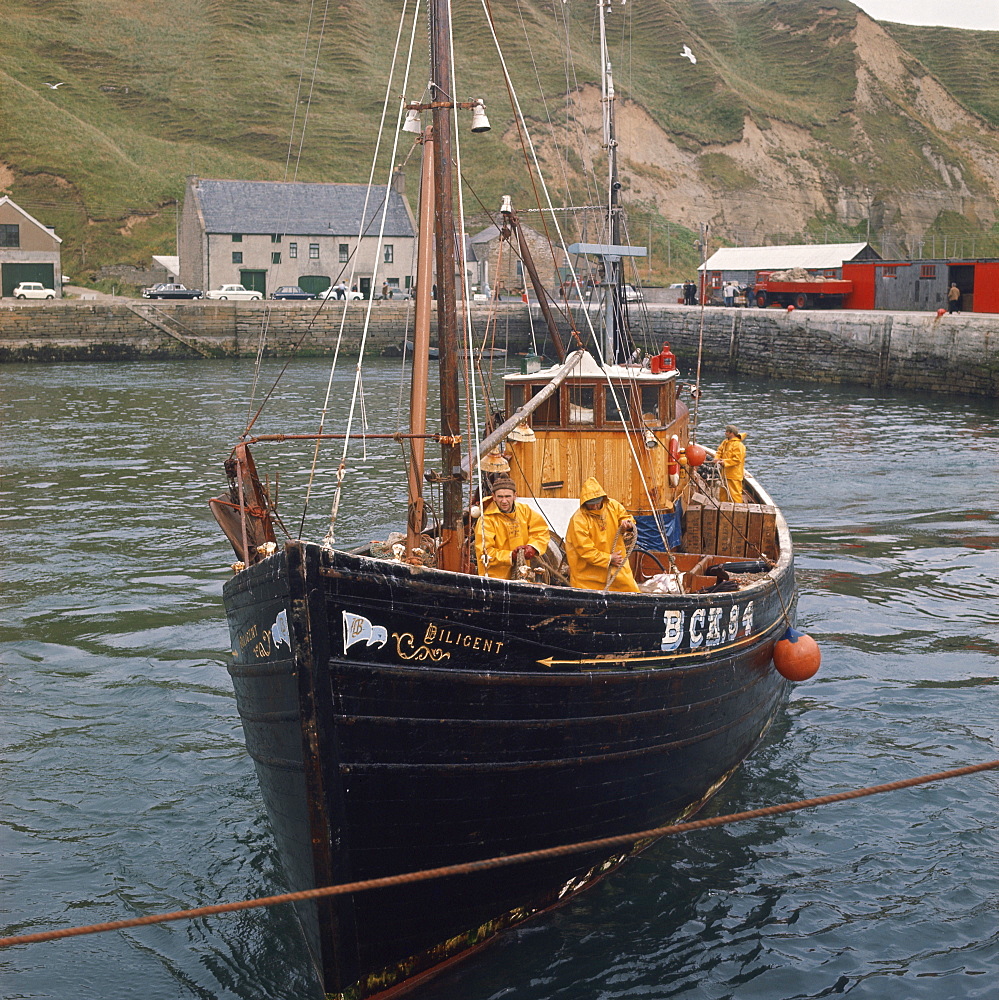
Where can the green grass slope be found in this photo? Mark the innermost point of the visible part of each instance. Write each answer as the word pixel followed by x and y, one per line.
pixel 155 92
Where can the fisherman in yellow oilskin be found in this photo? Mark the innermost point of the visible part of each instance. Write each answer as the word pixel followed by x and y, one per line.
pixel 594 545
pixel 507 529
pixel 730 457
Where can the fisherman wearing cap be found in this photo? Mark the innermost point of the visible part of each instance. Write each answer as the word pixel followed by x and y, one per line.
pixel 594 542
pixel 730 457
pixel 507 529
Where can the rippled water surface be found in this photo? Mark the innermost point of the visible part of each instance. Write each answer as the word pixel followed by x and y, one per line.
pixel 127 790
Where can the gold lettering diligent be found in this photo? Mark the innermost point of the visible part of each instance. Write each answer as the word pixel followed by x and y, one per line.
pixel 437 635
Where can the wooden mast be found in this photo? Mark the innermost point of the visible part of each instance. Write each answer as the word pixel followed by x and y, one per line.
pixel 442 101
pixel 421 346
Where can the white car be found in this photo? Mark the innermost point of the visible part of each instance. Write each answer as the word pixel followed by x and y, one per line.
pixel 330 293
pixel 632 294
pixel 33 290
pixel 236 292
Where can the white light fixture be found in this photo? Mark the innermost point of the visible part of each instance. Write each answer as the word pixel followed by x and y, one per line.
pixel 413 123
pixel 494 462
pixel 523 433
pixel 507 205
pixel 480 123
pixel 650 440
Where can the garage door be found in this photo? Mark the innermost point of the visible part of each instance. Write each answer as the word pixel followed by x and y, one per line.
pixel 14 274
pixel 255 281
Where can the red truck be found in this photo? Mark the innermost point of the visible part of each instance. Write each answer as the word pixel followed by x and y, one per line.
pixel 825 292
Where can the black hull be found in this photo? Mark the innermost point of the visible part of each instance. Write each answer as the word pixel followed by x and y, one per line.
pixel 418 718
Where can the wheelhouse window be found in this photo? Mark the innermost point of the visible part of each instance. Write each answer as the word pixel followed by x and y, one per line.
pixel 650 405
pixel 313 251
pixel 616 407
pixel 516 396
pixel 10 235
pixel 549 413
pixel 581 404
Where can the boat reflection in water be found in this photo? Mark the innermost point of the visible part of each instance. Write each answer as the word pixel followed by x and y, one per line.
pixel 405 713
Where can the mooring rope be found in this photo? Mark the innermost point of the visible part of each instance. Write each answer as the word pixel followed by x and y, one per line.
pixel 603 843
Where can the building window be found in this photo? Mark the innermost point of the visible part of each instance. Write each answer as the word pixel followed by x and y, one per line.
pixel 344 253
pixel 889 272
pixel 10 235
pixel 389 253
pixel 275 237
pixel 928 271
pixel 275 258
pixel 237 237
pixel 292 250
pixel 313 251
pixel 237 256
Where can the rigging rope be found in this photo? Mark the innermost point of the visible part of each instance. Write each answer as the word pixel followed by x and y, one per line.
pixel 601 844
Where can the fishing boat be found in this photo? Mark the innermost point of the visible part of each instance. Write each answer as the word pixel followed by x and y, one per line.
pixel 404 712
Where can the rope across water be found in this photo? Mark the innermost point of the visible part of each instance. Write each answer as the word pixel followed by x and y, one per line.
pixel 604 843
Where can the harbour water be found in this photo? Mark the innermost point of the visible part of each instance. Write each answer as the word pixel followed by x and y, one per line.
pixel 127 790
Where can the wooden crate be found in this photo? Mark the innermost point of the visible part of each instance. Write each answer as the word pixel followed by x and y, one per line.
pixel 736 530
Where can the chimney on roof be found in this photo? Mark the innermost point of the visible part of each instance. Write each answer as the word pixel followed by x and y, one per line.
pixel 399 181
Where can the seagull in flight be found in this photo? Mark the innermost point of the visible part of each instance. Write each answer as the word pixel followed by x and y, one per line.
pixel 55 86
pixel 687 54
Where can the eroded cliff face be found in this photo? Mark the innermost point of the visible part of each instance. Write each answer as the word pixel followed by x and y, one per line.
pixel 905 152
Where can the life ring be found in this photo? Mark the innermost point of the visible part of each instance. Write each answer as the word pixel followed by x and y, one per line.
pixel 673 463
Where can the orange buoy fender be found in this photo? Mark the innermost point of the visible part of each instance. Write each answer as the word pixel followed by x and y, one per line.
pixel 797 656
pixel 673 465
pixel 695 455
pixel 941 312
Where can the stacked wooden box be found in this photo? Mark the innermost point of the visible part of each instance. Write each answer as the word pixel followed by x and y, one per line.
pixel 740 530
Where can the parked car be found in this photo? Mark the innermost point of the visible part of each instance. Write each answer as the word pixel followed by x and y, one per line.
pixel 169 290
pixel 330 293
pixel 633 294
pixel 292 292
pixel 237 292
pixel 33 290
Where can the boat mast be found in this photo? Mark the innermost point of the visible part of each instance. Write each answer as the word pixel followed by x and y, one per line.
pixel 442 101
pixel 607 98
pixel 421 346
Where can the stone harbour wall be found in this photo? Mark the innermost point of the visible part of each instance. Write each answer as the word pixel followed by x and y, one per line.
pixel 904 350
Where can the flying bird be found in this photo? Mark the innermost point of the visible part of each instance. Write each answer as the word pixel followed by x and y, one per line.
pixel 54 86
pixel 687 54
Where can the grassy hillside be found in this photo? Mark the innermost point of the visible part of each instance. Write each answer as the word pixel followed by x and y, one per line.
pixel 155 92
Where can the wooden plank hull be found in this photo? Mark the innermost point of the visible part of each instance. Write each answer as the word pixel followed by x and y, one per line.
pixel 402 719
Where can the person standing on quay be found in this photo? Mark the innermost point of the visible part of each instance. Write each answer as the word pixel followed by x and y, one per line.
pixel 954 298
pixel 730 457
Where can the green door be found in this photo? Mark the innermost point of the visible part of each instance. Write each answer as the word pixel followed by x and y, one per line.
pixel 255 281
pixel 314 283
pixel 14 274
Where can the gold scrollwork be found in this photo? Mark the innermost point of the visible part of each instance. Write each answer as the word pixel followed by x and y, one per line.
pixel 414 652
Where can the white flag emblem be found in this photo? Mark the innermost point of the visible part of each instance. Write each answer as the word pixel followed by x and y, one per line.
pixel 356 628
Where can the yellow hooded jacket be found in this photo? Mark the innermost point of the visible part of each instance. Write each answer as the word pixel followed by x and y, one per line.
pixel 732 453
pixel 498 534
pixel 588 543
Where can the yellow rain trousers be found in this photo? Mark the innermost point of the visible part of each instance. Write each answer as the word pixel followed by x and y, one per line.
pixel 733 458
pixel 498 534
pixel 588 542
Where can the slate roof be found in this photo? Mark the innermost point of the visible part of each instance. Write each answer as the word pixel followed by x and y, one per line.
pixel 298 209
pixel 807 255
